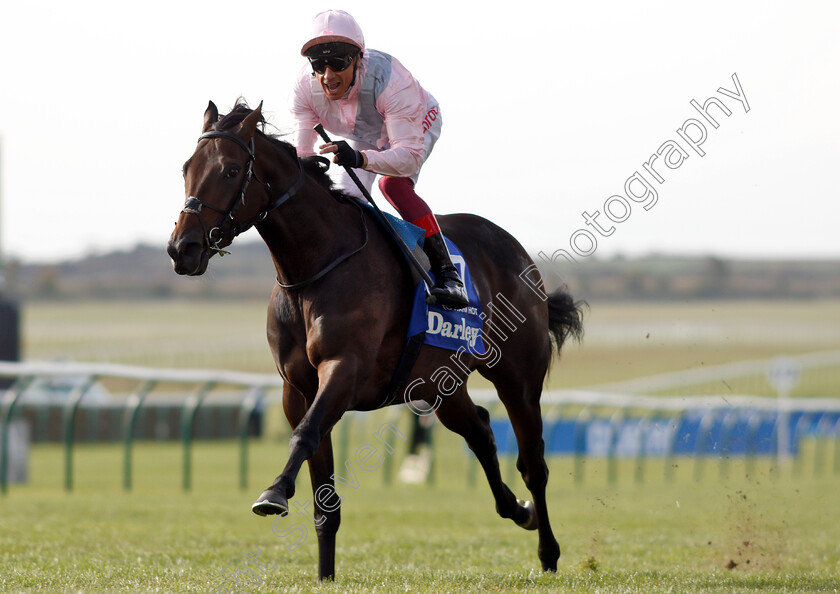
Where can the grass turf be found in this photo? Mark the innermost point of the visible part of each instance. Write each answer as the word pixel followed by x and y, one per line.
pixel 772 532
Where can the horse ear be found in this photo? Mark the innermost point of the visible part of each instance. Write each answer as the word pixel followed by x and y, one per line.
pixel 211 116
pixel 249 124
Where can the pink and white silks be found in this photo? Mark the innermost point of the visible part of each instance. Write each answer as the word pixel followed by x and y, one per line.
pixel 388 116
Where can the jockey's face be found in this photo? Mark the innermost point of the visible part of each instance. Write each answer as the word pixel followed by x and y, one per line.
pixel 335 84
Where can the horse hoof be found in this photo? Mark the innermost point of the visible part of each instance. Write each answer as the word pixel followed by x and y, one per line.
pixel 530 521
pixel 549 555
pixel 270 503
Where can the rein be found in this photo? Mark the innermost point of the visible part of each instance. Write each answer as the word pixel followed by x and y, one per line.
pixel 215 236
pixel 336 262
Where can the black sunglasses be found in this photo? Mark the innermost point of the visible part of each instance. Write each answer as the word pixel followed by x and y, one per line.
pixel 335 63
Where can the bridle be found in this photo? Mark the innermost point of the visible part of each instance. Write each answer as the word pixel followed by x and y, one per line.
pixel 217 234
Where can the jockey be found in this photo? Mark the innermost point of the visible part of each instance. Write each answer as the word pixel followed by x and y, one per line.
pixel 392 123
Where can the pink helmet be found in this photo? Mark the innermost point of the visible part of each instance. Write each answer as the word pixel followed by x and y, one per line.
pixel 333 26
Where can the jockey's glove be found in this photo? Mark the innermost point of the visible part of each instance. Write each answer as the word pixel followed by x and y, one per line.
pixel 347 156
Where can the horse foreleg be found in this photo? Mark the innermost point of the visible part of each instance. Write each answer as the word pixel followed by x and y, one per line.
pixel 327 507
pixel 273 502
pixel 324 512
pixel 330 403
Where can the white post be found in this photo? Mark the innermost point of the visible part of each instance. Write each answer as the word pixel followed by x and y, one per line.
pixel 17 454
pixel 783 374
pixel 783 427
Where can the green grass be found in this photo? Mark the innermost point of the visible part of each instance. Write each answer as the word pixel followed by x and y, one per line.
pixel 780 528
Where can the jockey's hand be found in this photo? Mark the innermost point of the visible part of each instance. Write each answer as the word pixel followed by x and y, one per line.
pixel 345 155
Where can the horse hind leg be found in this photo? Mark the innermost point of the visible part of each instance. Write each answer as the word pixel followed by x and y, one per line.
pixel 526 418
pixel 459 414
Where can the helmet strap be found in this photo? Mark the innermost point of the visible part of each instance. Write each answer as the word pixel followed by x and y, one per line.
pixel 355 69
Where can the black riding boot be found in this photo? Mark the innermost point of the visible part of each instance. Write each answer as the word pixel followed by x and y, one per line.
pixel 449 288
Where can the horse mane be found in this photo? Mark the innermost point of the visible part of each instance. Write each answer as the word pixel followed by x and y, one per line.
pixel 314 167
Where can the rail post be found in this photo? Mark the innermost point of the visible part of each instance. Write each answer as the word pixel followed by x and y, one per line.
pixel 431 476
pixel 133 404
pixel 641 445
pixel 390 446
pixel 799 430
pixel 823 430
pixel 726 443
pixel 70 411
pixel 751 447
pixel 246 411
pixel 670 453
pixel 187 421
pixel 616 424
pixel 706 424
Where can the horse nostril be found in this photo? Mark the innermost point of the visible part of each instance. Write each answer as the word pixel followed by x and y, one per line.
pixel 179 250
pixel 190 249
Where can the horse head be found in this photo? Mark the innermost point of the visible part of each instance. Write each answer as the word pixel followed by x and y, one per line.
pixel 221 202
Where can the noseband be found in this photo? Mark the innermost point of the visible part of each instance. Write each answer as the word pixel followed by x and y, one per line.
pixel 217 234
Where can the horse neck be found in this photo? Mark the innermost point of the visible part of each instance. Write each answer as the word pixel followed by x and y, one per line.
pixel 305 233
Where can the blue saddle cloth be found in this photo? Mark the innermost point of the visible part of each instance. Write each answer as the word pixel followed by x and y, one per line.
pixel 451 329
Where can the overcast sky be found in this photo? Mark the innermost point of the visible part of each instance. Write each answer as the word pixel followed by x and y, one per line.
pixel 549 109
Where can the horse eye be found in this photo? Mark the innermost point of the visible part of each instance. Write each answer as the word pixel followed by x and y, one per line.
pixel 232 172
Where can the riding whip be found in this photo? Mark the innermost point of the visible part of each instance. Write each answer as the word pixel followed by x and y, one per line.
pixel 408 253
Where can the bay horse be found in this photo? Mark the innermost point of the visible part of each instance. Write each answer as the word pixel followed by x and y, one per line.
pixel 339 311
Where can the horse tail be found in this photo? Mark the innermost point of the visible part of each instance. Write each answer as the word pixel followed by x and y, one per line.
pixel 565 318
